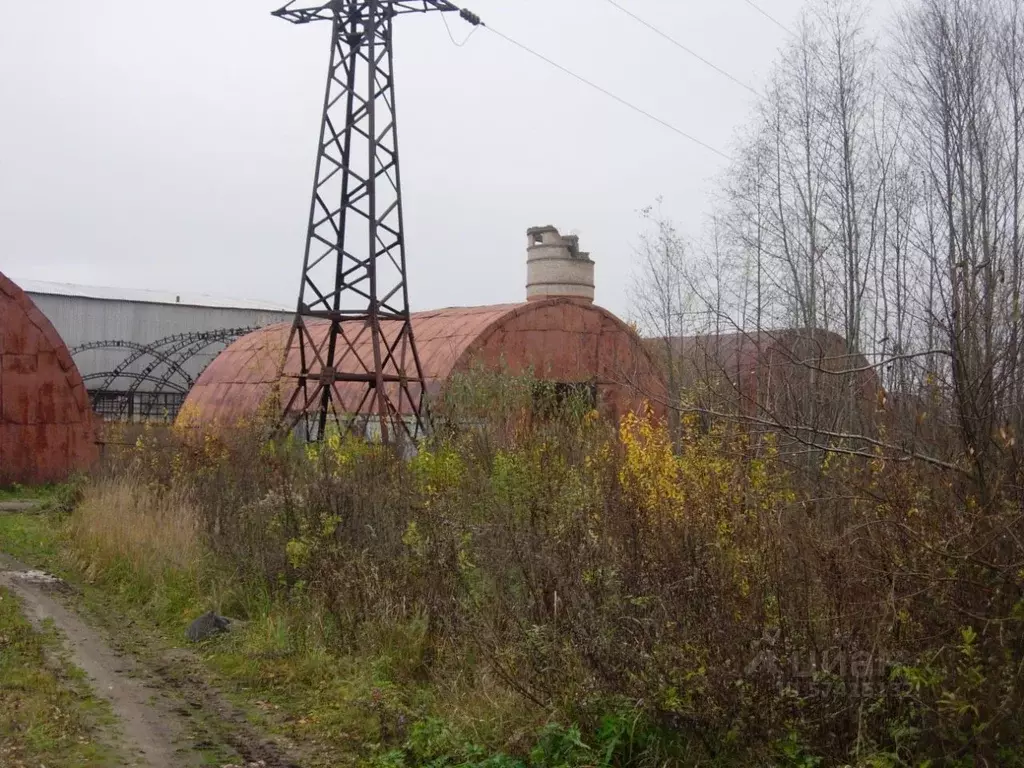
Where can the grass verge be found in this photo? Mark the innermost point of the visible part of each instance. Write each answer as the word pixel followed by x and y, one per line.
pixel 47 715
pixel 282 670
pixel 41 540
pixel 18 492
pixel 58 497
pixel 34 539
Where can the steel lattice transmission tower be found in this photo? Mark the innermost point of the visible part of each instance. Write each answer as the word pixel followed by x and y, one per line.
pixel 353 274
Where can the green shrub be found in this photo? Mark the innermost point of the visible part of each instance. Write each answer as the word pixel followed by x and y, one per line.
pixel 692 602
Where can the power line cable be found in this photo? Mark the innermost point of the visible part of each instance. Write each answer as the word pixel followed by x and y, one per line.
pixel 770 18
pixel 476 22
pixel 456 43
pixel 606 92
pixel 682 47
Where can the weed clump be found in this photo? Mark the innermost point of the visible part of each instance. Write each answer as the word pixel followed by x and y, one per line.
pixel 557 590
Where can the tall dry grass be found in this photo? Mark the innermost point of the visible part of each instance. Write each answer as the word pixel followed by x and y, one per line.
pixel 121 518
pixel 689 603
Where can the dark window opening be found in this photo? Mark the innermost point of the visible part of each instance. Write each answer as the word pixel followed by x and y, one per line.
pixel 137 406
pixel 551 398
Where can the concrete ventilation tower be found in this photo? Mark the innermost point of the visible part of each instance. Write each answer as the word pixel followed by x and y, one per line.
pixel 555 266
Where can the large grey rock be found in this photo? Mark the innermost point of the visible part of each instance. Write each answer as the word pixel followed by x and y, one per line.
pixel 206 626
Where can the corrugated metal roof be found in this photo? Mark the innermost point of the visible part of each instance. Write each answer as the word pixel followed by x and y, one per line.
pixel 559 338
pixel 750 356
pixel 238 380
pixel 47 427
pixel 745 350
pixel 146 296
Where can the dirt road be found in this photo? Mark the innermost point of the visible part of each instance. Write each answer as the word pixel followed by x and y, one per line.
pixel 164 719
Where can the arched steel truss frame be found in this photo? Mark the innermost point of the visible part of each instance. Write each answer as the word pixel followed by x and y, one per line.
pixel 137 379
pixel 140 351
pixel 171 352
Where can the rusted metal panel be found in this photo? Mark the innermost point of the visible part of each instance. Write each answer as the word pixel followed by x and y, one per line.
pixel 559 339
pixel 46 427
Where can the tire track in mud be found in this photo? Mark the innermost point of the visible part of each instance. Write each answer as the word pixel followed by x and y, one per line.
pixel 160 709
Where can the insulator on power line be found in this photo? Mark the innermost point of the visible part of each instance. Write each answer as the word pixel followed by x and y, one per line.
pixel 471 17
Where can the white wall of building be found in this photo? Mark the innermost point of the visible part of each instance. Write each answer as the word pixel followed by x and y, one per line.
pixel 83 314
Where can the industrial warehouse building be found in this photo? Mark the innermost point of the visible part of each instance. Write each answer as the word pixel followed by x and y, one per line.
pixel 46 427
pixel 778 378
pixel 139 352
pixel 145 354
pixel 557 333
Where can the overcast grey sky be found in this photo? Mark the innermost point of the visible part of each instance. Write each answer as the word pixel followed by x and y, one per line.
pixel 170 145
